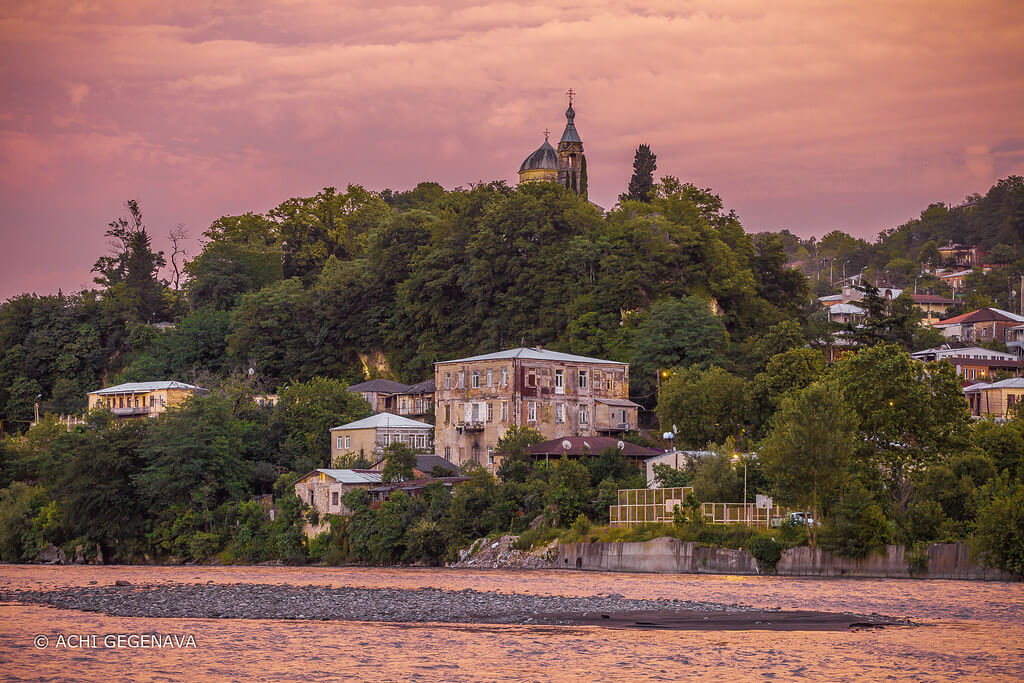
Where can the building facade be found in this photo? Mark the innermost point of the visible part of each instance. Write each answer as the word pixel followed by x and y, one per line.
pixel 386 395
pixel 999 400
pixel 370 436
pixel 974 362
pixel 558 394
pixel 142 399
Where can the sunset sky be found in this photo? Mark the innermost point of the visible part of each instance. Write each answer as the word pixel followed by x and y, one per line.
pixel 802 114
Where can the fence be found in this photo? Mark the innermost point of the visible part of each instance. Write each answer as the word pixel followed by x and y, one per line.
pixel 646 506
pixel 740 513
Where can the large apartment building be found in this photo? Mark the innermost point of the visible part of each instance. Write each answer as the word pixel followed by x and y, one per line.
pixel 558 394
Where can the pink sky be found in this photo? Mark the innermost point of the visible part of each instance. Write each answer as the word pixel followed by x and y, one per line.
pixel 801 114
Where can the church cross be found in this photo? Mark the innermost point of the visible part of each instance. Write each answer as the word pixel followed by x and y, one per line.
pixel 571 94
pixel 546 133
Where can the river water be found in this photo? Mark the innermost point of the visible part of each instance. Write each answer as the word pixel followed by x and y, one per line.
pixel 968 630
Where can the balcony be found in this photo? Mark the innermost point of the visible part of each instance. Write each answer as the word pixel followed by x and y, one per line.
pixel 130 412
pixel 471 426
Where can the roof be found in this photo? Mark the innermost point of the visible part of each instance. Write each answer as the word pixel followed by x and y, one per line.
pixel 427 463
pixel 930 299
pixel 977 386
pixel 830 297
pixel 959 273
pixel 1012 383
pixel 847 308
pixel 416 484
pixel 618 402
pixel 963 351
pixel 427 387
pixel 983 315
pixel 570 134
pixel 146 386
pixel 592 445
pixel 533 354
pixel 350 476
pixel 988 362
pixel 545 157
pixel 687 454
pixel 384 420
pixel 380 386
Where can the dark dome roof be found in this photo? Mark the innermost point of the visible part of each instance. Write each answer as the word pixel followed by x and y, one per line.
pixel 545 158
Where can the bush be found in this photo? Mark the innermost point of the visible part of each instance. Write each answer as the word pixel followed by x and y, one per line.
pixel 579 529
pixel 1000 535
pixel 766 550
pixel 531 538
pixel 917 558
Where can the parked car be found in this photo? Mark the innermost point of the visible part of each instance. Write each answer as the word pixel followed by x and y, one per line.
pixel 800 518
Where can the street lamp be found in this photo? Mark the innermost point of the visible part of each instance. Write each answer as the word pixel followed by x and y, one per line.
pixel 746 512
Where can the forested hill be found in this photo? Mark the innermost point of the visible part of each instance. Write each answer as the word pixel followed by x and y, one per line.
pixel 329 284
pixel 994 221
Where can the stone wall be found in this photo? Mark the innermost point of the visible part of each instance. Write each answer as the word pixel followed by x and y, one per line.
pixel 671 556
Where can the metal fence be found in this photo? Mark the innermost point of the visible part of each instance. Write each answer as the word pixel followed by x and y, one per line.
pixel 739 513
pixel 647 506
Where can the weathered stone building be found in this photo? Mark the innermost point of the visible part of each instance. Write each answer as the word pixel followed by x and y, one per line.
pixel 558 394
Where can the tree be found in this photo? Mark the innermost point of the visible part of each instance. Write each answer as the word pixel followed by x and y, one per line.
pixel 306 412
pixel 1000 536
pixel 717 479
pixel 858 525
pixel 707 406
pixel 806 453
pixel 516 464
pixel 399 461
pixel 641 185
pixel 193 457
pixel 130 275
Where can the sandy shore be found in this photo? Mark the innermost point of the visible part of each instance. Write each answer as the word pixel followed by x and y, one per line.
pixel 276 601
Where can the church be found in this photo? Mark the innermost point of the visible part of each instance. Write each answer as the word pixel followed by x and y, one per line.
pixel 567 165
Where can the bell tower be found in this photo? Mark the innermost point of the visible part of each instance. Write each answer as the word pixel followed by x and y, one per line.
pixel 572 164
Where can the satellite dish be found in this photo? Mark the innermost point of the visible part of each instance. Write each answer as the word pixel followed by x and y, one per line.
pixel 675 429
pixel 668 436
pixel 567 444
pixel 252 371
pixel 620 444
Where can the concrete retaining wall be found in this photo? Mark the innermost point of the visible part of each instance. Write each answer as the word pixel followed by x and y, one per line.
pixel 671 556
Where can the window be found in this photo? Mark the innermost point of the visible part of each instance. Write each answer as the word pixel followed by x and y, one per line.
pixel 311 496
pixel 504 377
pixel 559 412
pixel 447 413
pixel 476 379
pixel 348 441
pixel 583 379
pixel 584 416
pixel 462 380
pixel 334 498
pixel 531 378
pixel 532 412
pixel 559 381
pixel 447 380
pixel 476 412
pixel 490 412
pixel 447 452
pixel 490 456
pixel 152 401
pixel 419 405
pixel 504 411
pixel 490 378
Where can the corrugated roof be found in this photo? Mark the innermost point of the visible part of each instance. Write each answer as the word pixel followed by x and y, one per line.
pixel 426 387
pixel 532 354
pixel 351 476
pixel 847 308
pixel 146 386
pixel 983 315
pixel 384 420
pixel 1012 383
pixel 380 385
pixel 619 402
pixel 930 299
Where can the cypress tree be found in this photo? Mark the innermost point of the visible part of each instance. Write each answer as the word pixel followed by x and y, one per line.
pixel 642 183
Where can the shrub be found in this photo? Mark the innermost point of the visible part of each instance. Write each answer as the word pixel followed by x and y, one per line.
pixel 766 550
pixel 917 558
pixel 532 538
pixel 858 525
pixel 1000 535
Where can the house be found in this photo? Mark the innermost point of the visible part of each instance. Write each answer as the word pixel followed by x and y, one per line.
pixel 675 459
pixel 386 395
pixel 956 279
pixel 998 399
pixel 984 324
pixel 322 489
pixel 574 447
pixel 426 466
pixel 846 313
pixel 973 362
pixel 962 255
pixel 933 307
pixel 1015 339
pixel 371 435
pixel 478 398
pixel 142 399
pixel 414 487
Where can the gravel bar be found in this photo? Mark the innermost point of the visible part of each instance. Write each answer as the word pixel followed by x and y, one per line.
pixel 326 603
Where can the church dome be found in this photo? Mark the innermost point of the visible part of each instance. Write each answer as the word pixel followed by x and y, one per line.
pixel 545 158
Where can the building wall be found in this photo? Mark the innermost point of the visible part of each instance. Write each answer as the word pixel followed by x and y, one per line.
pixel 157 401
pixel 469 420
pixel 538 174
pixel 372 442
pixel 997 402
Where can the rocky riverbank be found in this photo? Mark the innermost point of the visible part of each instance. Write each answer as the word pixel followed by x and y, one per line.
pixel 257 601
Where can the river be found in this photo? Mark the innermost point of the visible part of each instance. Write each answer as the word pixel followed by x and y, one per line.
pixel 968 630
